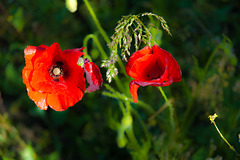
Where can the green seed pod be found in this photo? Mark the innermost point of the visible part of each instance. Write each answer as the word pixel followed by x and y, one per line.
pixel 121 139
pixel 127 121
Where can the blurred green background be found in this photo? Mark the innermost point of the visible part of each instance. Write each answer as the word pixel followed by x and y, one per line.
pixel 210 84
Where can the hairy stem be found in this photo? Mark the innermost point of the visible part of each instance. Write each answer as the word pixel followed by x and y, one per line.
pixel 132 138
pixel 123 97
pixel 95 39
pixel 102 32
pixel 171 110
pixel 136 114
pixel 119 96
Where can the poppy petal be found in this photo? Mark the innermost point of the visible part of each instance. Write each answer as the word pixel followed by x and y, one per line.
pixel 57 102
pixel 62 101
pixel 93 75
pixel 133 87
pixel 72 55
pixel 31 51
pixel 139 54
pixel 147 68
pixel 40 99
pixel 173 67
pixel 26 75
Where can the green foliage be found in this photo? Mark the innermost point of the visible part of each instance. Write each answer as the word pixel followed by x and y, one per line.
pixel 28 153
pixel 17 19
pixel 107 124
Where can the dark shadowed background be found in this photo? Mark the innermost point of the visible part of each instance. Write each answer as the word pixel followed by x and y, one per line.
pixel 210 84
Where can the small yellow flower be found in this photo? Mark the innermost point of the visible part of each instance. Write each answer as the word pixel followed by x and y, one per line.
pixel 212 117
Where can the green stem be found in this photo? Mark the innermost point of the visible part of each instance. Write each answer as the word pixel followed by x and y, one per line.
pixel 230 146
pixel 143 105
pixel 189 115
pixel 132 138
pixel 128 106
pixel 99 46
pixel 122 108
pixel 129 130
pixel 102 32
pixel 148 136
pixel 103 53
pixel 211 58
pixel 104 56
pixel 119 84
pixel 171 110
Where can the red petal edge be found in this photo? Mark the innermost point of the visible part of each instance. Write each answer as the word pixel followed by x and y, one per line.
pixel 133 90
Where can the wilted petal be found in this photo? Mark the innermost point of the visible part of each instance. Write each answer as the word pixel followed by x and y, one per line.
pixel 93 75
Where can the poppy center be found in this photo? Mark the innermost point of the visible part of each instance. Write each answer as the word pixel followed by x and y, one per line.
pixel 56 71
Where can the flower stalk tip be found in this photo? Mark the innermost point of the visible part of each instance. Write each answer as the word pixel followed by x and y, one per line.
pixel 212 117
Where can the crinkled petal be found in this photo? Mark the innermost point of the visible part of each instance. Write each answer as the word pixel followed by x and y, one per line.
pixel 139 54
pixel 147 68
pixel 40 99
pixel 173 67
pixel 62 101
pixel 43 82
pixel 30 54
pixel 93 75
pixel 26 75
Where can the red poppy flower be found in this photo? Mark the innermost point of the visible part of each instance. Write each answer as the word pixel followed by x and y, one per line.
pixel 52 76
pixel 152 66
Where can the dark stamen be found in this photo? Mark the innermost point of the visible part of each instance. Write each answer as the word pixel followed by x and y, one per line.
pixel 59 63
